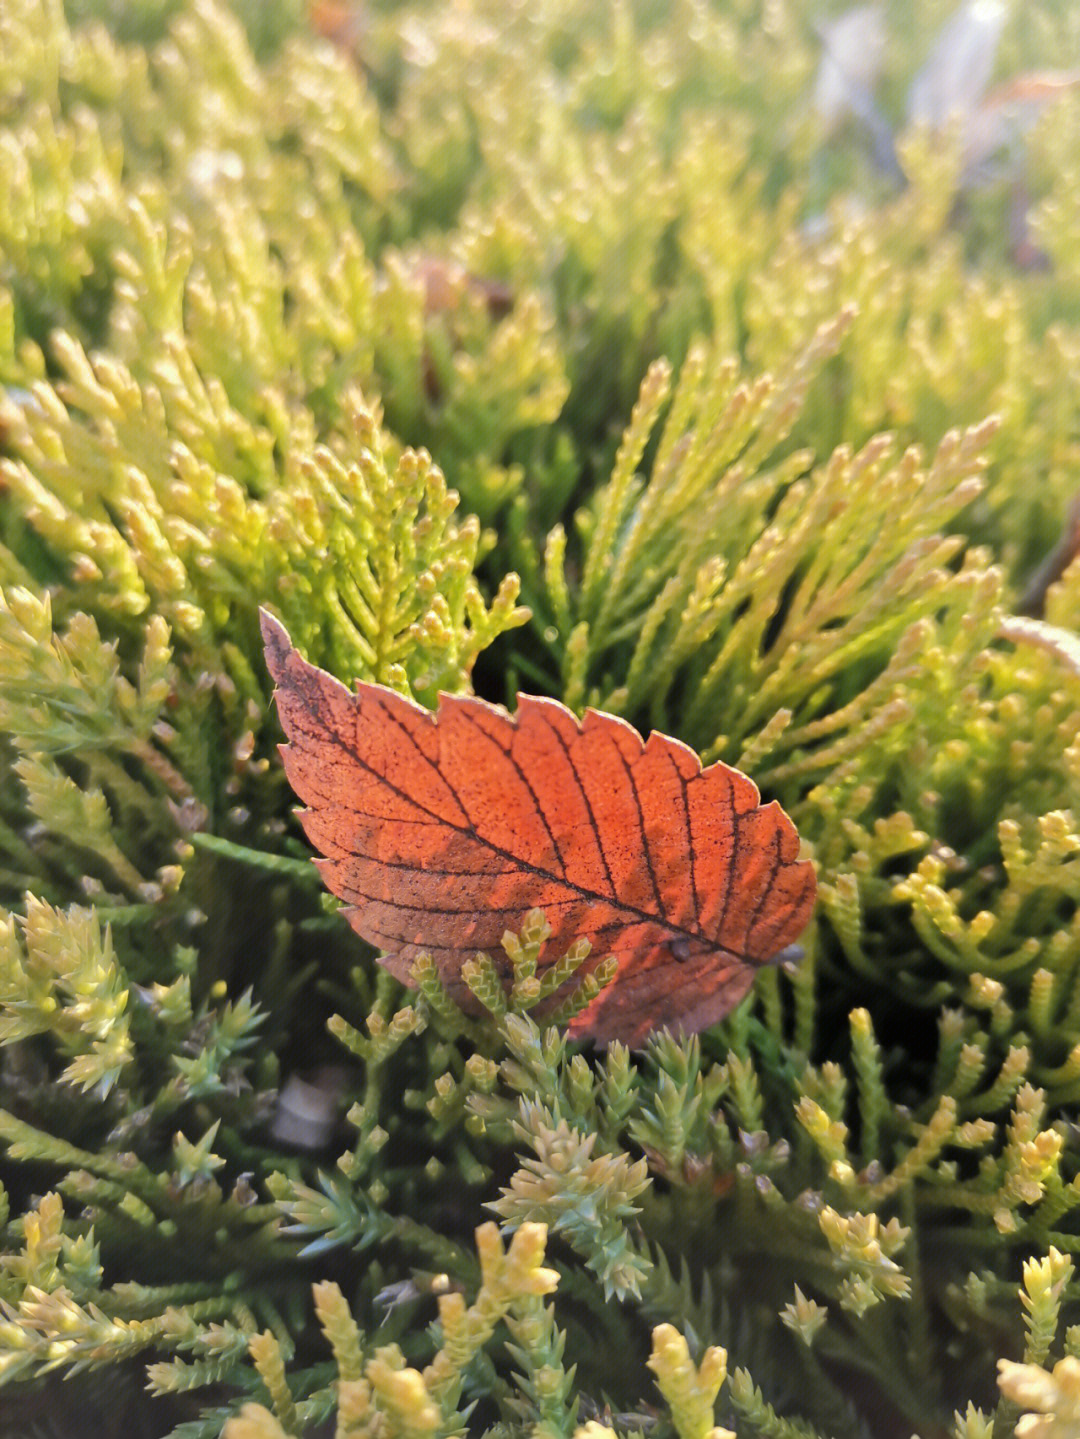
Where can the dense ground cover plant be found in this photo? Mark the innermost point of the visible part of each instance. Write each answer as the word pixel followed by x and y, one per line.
pixel 559 348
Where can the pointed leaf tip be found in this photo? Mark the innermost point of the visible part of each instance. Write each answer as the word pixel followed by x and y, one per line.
pixel 276 643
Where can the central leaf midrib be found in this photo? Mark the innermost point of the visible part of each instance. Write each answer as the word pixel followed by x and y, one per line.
pixel 527 866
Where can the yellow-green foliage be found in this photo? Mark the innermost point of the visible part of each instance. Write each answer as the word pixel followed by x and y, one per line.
pixel 385 328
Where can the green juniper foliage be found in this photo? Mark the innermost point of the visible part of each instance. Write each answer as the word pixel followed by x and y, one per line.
pixel 389 329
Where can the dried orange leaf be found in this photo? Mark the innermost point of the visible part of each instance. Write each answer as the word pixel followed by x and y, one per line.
pixel 441 831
